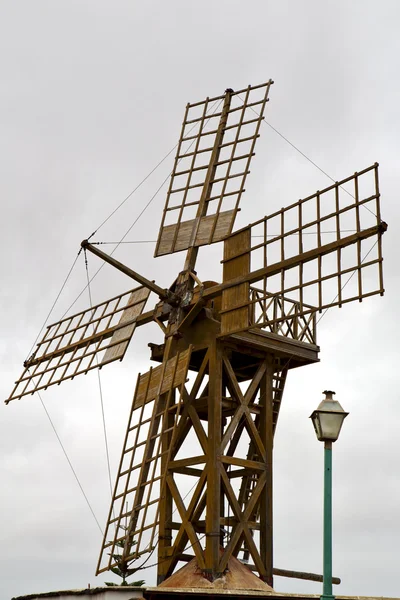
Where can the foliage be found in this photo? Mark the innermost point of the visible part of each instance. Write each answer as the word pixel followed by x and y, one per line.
pixel 138 583
pixel 123 571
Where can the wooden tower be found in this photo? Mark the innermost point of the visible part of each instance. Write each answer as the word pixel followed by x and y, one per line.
pixel 195 476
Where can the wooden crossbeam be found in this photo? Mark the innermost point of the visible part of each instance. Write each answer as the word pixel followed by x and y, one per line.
pixel 163 293
pixel 242 527
pixel 294 261
pixel 81 342
pixel 190 217
pixel 148 473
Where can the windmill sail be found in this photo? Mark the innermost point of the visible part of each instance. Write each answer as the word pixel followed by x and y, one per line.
pixel 322 251
pixel 134 511
pixel 211 165
pixel 84 341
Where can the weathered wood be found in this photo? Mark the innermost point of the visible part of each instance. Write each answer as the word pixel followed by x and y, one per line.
pixel 209 226
pixel 257 340
pixel 242 527
pixel 135 307
pixel 237 92
pixel 267 434
pixel 243 462
pixel 214 462
pixel 227 128
pixel 295 260
pixel 187 462
pixel 178 236
pixel 242 408
pixel 163 293
pixel 236 266
pixel 159 413
pixel 337 184
pixel 194 509
pixel 186 522
pixel 137 480
pixel 188 418
pixel 187 471
pixel 302 575
pixel 82 342
pixel 165 501
pixel 159 380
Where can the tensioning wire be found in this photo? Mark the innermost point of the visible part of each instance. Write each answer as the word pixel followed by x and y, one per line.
pixel 218 103
pixel 142 567
pixel 70 463
pixel 54 303
pixel 346 282
pixel 304 155
pixel 213 108
pixel 142 211
pixel 90 298
pixel 269 235
pixel 100 386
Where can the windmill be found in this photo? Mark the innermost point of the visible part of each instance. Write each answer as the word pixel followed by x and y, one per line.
pixel 195 475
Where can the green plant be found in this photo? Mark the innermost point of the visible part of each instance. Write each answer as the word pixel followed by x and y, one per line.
pixel 122 570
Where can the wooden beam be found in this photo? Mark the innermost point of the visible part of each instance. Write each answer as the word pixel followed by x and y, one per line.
pixel 164 294
pixel 213 532
pixel 194 510
pixel 186 462
pixel 266 427
pixel 243 462
pixel 192 252
pixel 294 261
pixel 303 575
pixel 279 572
pixel 188 471
pixel 186 521
pixel 243 400
pixel 165 502
pixel 242 528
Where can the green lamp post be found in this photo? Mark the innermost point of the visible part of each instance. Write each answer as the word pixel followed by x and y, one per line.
pixel 328 420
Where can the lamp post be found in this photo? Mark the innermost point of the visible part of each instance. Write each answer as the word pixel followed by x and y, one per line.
pixel 328 420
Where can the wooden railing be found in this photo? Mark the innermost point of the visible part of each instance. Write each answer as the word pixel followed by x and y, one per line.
pixel 282 316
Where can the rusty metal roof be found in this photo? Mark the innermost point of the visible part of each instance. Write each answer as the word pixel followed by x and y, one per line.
pixel 236 577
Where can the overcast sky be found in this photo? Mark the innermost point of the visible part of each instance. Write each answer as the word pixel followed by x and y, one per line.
pixel 92 95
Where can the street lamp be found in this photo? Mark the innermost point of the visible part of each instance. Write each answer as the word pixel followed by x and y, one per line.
pixel 328 420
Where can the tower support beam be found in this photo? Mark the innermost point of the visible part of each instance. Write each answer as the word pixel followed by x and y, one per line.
pixel 213 464
pixel 266 432
pixel 232 419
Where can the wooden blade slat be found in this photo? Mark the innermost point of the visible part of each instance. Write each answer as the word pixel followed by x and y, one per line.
pixel 172 242
pixel 85 341
pixel 192 183
pixel 295 269
pixel 140 481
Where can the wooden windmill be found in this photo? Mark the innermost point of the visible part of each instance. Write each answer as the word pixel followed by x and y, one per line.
pixel 195 476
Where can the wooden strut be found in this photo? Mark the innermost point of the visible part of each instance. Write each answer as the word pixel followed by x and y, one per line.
pixel 305 575
pixel 163 293
pixel 302 575
pixel 208 184
pixel 270 270
pixel 294 261
pixel 254 414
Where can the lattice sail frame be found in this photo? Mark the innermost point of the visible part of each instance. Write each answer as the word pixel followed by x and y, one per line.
pixel 211 165
pixel 140 479
pixel 84 341
pixel 290 270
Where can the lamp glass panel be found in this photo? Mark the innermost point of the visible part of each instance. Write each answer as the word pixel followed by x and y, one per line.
pixel 330 425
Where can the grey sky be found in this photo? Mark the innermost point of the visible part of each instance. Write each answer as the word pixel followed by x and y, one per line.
pixel 92 95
